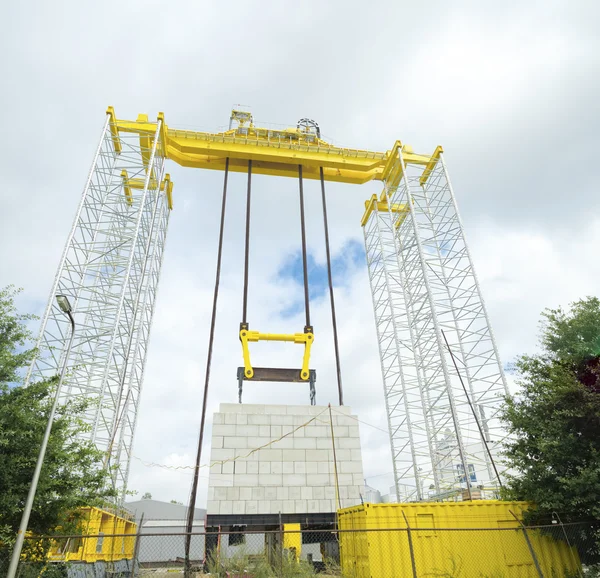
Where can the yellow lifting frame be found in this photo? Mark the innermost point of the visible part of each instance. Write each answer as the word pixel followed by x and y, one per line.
pixel 247 336
pixel 128 184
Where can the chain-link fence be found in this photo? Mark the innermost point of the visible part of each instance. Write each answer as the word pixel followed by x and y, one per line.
pixel 569 550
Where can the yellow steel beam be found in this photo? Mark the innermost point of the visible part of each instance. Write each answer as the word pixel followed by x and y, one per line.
pixel 128 184
pixel 127 187
pixel 114 130
pixel 382 206
pixel 431 165
pixel 273 152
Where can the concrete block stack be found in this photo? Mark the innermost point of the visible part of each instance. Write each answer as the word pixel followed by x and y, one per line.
pixel 293 471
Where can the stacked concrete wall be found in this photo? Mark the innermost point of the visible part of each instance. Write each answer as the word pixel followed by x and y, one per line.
pixel 294 474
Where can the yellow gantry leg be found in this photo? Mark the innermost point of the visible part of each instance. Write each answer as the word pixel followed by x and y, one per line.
pixel 306 338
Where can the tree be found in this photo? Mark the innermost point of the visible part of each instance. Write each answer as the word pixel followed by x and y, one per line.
pixel 554 421
pixel 72 476
pixel 147 496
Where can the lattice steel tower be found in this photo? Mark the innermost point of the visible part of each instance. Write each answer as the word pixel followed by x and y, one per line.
pixel 109 270
pixel 424 288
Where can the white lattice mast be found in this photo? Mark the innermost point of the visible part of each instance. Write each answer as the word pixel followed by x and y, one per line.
pixel 110 270
pixel 423 282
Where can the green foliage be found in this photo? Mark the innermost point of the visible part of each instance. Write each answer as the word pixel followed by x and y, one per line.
pixel 147 496
pixel 71 475
pixel 554 421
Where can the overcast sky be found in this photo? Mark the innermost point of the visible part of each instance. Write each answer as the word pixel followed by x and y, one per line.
pixel 510 89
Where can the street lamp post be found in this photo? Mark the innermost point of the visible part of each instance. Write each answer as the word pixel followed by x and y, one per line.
pixel 63 303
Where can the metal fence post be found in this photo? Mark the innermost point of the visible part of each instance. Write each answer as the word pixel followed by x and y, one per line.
pixel 529 545
pixel 410 546
pixel 136 548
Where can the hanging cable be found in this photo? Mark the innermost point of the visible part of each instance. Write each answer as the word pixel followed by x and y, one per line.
pixel 247 249
pixel 304 261
pixel 192 504
pixel 330 277
pixel 481 433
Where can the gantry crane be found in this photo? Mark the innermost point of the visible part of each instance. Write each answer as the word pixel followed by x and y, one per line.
pixel 424 289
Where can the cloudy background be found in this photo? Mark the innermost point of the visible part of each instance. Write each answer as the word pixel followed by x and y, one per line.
pixel 510 89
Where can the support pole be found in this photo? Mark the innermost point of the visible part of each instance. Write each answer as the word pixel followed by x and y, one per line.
pixel 192 504
pixel 247 246
pixel 330 277
pixel 304 259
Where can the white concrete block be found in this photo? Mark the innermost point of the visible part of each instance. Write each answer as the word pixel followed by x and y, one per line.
pixel 326 506
pixel 220 494
pixel 353 492
pixel 358 479
pixel 350 468
pixel 340 431
pixel 324 444
pixel 264 507
pixel 342 455
pixel 315 431
pixel 245 494
pixel 319 493
pixel 356 455
pixel 223 430
pixel 317 479
pixel 317 455
pixel 305 443
pixel 251 408
pixel 264 467
pixel 345 479
pixel 216 468
pixel 295 455
pixel 246 480
pixel 287 430
pixel 353 431
pixel 288 467
pixel 252 467
pixel 264 431
pixel 298 432
pixel 255 442
pixel 233 494
pixel 241 419
pixel 225 507
pixel 312 506
pixel 288 507
pixel 246 430
pixel 299 420
pixel 270 479
pixel 276 409
pixel 282 420
pixel 210 494
pixel 343 492
pixel 301 506
pixel 323 468
pixel 252 507
pixel 271 493
pixel 306 493
pixel 344 409
pixel 276 467
pixel 282 493
pixel 276 506
pixel 221 480
pixel 343 420
pixel 258 494
pixel 258 419
pixel 276 431
pixel 240 467
pixel 312 467
pixel 239 508
pixel 218 418
pixel 294 493
pixel 329 493
pixel 283 444
pixel 216 442
pixel 300 468
pixel 235 442
pixel 212 507
pixel 294 480
pixel 227 468
pixel 268 455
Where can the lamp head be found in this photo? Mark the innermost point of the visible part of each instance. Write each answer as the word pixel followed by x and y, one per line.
pixel 63 303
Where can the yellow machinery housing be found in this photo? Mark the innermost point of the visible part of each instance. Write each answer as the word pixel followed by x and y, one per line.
pixel 479 538
pixel 92 545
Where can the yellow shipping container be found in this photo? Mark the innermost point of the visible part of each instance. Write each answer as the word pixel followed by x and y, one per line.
pixel 479 538
pixel 105 536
